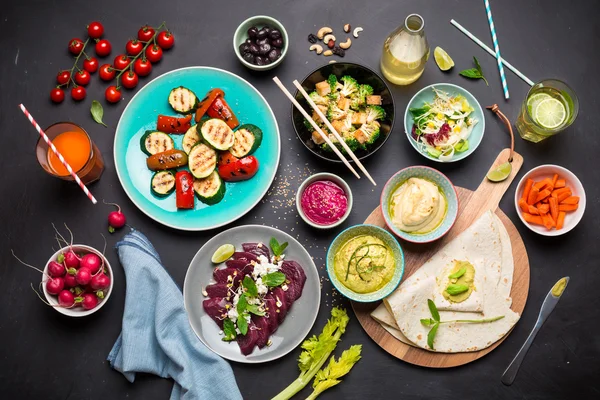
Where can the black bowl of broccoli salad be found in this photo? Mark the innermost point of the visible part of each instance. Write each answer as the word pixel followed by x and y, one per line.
pixel 357 102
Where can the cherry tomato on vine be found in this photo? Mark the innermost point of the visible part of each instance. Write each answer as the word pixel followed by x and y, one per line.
pixel 95 30
pixel 121 62
pixel 63 77
pixel 154 53
pixel 145 33
pixel 103 48
pixel 165 40
pixel 82 77
pixel 142 67
pixel 107 72
pixel 129 80
pixel 75 46
pixel 57 95
pixel 90 64
pixel 78 93
pixel 134 47
pixel 112 94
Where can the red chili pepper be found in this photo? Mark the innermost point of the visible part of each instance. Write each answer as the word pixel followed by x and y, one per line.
pixel 184 189
pixel 232 169
pixel 169 124
pixel 220 109
pixel 206 102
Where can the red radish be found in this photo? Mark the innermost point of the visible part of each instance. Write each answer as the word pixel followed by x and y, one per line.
pixel 55 285
pixel 70 281
pixel 116 219
pixel 83 276
pixel 66 299
pixel 89 301
pixel 92 262
pixel 71 259
pixel 100 282
pixel 55 269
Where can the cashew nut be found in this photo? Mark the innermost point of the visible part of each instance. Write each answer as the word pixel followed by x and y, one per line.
pixel 346 45
pixel 347 28
pixel 328 53
pixel 328 37
pixel 317 48
pixel 324 31
pixel 356 31
pixel 332 61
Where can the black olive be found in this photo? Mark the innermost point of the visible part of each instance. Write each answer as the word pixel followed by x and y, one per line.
pixel 259 60
pixel 254 49
pixel 252 32
pixel 274 54
pixel 275 34
pixel 248 41
pixel 267 29
pixel 264 49
pixel 262 34
pixel 267 61
pixel 262 41
pixel 248 57
pixel 277 42
pixel 244 48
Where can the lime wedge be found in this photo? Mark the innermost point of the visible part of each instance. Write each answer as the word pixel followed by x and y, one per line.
pixel 501 173
pixel 550 113
pixel 223 253
pixel 442 59
pixel 534 100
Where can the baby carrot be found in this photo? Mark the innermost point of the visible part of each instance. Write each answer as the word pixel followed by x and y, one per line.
pixel 533 219
pixel 542 184
pixel 554 179
pixel 548 221
pixel 553 208
pixel 560 221
pixel 567 207
pixel 563 196
pixel 527 189
pixel 523 205
pixel 543 208
pixel 560 183
pixel 533 195
pixel 542 195
pixel 571 200
pixel 533 210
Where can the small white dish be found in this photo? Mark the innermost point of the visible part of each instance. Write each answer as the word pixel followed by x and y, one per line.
pixel 323 176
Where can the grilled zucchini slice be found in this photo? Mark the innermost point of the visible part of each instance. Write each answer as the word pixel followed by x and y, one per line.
pixel 202 160
pixel 162 183
pixel 153 142
pixel 211 189
pixel 217 134
pixel 183 100
pixel 247 139
pixel 190 139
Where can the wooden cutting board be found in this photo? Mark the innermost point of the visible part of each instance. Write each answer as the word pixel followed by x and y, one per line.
pixel 471 206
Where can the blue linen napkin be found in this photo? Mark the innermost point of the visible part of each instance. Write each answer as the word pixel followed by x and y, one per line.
pixel 156 336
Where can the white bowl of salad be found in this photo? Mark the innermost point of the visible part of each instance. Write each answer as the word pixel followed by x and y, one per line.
pixel 444 122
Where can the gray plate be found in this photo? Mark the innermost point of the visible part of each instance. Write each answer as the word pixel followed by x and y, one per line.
pixel 298 321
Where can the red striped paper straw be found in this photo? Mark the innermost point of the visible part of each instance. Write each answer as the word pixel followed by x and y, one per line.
pixel 60 157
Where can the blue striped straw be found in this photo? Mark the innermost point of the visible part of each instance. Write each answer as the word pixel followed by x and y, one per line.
pixel 496 48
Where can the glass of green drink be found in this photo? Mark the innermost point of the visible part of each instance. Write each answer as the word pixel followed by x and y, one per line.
pixel 550 107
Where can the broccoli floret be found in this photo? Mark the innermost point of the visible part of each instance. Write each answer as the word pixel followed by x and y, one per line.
pixel 351 142
pixel 371 129
pixel 375 113
pixel 334 112
pixel 333 83
pixel 318 99
pixel 359 98
pixel 308 125
pixel 349 85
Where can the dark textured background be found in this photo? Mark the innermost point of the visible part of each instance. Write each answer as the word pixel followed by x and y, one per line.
pixel 44 355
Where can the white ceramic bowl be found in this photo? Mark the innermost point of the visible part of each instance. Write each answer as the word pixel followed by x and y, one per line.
pixel 547 171
pixel 323 176
pixel 78 311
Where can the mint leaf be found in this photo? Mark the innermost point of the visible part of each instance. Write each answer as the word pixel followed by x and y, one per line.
pixel 273 279
pixel 242 304
pixel 250 286
pixel 433 309
pixel 431 335
pixel 253 308
pixel 242 324
pixel 228 330
pixel 277 248
pixel 474 73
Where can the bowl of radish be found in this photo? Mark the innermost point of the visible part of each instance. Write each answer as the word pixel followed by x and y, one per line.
pixel 77 280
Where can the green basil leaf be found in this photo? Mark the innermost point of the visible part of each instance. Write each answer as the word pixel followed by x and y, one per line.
pixel 431 336
pixel 242 304
pixel 242 324
pixel 273 279
pixel 458 273
pixel 250 286
pixel 253 308
pixel 97 112
pixel 455 289
pixel 228 330
pixel 433 309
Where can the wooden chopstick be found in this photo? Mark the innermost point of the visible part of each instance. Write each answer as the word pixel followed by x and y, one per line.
pixel 333 130
pixel 314 125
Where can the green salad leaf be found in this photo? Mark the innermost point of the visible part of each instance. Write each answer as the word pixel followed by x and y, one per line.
pixel 253 308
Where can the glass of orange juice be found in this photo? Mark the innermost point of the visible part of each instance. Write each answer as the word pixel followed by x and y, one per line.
pixel 75 145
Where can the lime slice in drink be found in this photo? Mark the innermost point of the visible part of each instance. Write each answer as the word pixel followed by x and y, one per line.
pixel 534 100
pixel 500 173
pixel 223 253
pixel 442 59
pixel 550 113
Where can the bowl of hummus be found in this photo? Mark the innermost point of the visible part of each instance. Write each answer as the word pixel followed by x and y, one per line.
pixel 365 263
pixel 419 204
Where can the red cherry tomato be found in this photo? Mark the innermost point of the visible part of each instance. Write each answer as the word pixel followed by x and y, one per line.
pixel 57 95
pixel 95 30
pixel 107 72
pixel 165 40
pixel 112 94
pixel 134 47
pixel 142 67
pixel 145 33
pixel 75 46
pixel 129 80
pixel 103 48
pixel 154 53
pixel 78 93
pixel 82 77
pixel 121 62
pixel 90 64
pixel 63 77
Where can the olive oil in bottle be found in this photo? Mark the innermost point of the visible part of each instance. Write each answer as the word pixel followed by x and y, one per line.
pixel 405 52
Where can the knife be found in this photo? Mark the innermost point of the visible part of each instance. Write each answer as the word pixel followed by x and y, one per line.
pixel 550 302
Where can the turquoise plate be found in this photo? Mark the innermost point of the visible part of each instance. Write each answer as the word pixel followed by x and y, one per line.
pixel 426 95
pixel 141 114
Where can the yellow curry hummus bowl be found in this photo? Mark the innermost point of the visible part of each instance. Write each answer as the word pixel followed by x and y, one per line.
pixel 365 263
pixel 419 204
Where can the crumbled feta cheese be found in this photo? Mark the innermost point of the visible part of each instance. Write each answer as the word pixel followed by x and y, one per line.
pixel 232 313
pixel 259 245
pixel 262 288
pixel 264 267
pixel 284 287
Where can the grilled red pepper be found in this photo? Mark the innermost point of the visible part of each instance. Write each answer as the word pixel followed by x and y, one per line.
pixel 169 124
pixel 206 102
pixel 220 109
pixel 232 169
pixel 184 189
